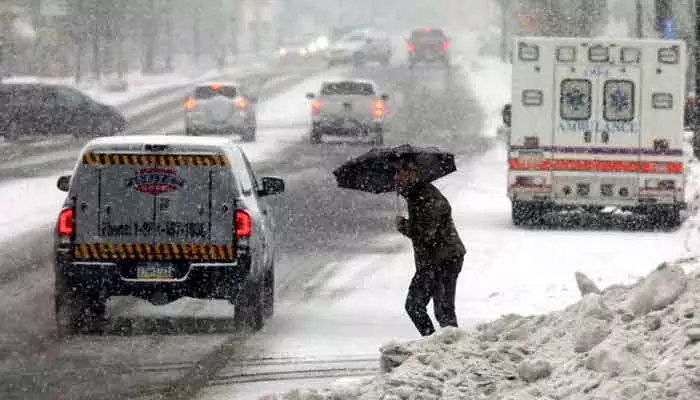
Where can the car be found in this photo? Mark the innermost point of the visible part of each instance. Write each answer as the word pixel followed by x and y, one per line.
pixel 294 52
pixel 163 217
pixel 221 108
pixel 38 109
pixel 348 108
pixel 360 47
pixel 428 45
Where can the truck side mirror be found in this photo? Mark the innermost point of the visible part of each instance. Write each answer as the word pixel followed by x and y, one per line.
pixel 63 183
pixel 507 115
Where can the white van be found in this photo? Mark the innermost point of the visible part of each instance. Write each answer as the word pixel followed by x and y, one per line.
pixel 597 123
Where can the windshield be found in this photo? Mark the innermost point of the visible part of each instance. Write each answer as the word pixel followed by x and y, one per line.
pixel 309 199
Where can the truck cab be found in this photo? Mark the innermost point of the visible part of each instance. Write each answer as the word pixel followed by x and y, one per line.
pixel 597 123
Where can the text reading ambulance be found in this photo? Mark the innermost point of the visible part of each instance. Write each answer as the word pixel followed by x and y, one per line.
pixel 597 123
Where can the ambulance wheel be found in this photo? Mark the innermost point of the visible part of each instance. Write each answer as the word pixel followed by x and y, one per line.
pixel 316 135
pixel 249 312
pixel 525 213
pixel 665 218
pixel 79 313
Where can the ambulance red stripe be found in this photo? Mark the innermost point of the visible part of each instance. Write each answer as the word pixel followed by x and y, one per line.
pixel 642 167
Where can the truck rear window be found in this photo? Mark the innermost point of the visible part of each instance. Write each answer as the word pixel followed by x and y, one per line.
pixel 436 34
pixel 207 92
pixel 347 89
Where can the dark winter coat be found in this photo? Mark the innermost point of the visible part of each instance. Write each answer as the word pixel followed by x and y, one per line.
pixel 430 226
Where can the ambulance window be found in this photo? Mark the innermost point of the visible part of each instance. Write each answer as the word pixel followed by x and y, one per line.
pixel 575 99
pixel 630 55
pixel 618 100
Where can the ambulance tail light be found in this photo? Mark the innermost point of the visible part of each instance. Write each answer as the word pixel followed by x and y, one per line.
pixel 410 47
pixel 445 45
pixel 379 110
pixel 65 226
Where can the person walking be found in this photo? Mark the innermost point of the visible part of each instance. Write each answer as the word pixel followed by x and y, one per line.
pixel 438 250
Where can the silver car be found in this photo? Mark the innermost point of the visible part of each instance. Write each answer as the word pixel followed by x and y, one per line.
pixel 348 108
pixel 220 108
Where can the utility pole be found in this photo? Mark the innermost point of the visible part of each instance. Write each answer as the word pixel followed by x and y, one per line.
pixel 696 52
pixel 504 30
pixel 638 18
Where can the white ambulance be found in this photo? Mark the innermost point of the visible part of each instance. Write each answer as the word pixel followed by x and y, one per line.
pixel 597 123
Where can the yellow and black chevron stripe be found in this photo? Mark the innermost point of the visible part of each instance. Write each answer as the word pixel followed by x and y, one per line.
pixel 154 252
pixel 156 160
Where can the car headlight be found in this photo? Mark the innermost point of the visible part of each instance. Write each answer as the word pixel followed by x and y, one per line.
pixel 283 52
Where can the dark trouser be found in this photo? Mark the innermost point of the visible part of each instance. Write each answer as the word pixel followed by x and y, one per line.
pixel 439 282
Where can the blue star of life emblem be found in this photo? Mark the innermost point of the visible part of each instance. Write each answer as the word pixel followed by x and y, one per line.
pixel 575 99
pixel 618 100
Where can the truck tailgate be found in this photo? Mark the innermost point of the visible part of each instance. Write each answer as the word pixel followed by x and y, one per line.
pixel 155 206
pixel 350 107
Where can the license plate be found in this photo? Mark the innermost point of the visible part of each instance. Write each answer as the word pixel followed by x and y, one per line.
pixel 155 271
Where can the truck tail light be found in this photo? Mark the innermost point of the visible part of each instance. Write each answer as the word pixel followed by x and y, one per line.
pixel 190 104
pixel 243 224
pixel 242 104
pixel 316 107
pixel 410 47
pixel 378 109
pixel 66 223
pixel 445 45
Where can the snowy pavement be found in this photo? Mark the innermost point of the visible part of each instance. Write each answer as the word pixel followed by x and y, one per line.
pixel 356 305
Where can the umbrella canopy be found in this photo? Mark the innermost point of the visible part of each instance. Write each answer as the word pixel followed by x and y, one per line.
pixel 373 171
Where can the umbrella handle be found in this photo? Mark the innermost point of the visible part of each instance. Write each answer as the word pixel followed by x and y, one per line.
pixel 397 202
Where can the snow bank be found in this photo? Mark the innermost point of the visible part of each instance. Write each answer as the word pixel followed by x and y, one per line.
pixel 624 343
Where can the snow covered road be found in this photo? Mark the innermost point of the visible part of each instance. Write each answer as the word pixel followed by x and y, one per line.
pixel 332 327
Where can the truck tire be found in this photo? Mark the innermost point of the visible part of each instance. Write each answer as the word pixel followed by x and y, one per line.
pixel 249 134
pixel 249 308
pixel 526 213
pixel 79 313
pixel 377 136
pixel 316 136
pixel 269 293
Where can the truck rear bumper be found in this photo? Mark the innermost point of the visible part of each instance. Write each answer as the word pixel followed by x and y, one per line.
pixel 347 127
pixel 197 280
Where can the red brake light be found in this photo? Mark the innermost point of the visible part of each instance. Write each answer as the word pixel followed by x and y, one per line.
pixel 410 47
pixel 244 224
pixel 445 45
pixel 65 222
pixel 190 104
pixel 316 107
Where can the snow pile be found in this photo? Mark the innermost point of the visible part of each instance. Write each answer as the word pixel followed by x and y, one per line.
pixel 624 343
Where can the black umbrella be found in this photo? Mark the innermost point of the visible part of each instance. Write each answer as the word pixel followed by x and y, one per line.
pixel 373 172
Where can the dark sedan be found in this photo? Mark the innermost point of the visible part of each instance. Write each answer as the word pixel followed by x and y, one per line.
pixel 31 109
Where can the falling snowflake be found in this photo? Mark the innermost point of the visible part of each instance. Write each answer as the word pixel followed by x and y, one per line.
pixel 618 100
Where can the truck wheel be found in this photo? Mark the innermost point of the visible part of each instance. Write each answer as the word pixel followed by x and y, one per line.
pixel 189 131
pixel 249 307
pixel 77 313
pixel 378 137
pixel 269 293
pixel 525 213
pixel 316 136
pixel 249 135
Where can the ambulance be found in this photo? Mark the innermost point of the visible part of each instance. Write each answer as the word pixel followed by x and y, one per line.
pixel 597 124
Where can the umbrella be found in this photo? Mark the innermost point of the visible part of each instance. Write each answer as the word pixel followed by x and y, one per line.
pixel 372 172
